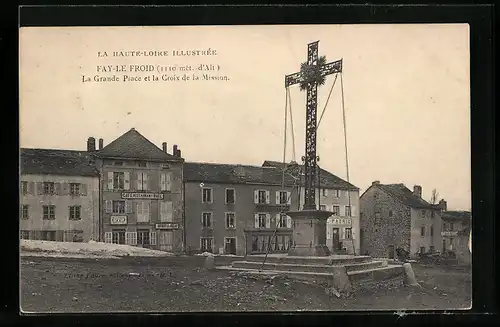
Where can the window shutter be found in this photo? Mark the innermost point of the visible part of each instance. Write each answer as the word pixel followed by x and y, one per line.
pixel 110 180
pixel 128 206
pixel 139 181
pixel 139 212
pixel 39 188
pixel 288 222
pixel 255 196
pixel 268 200
pixel 328 233
pixel 268 220
pixel 289 197
pixel 277 197
pixel 128 238
pixel 57 189
pixel 278 220
pixel 168 181
pixel 108 237
pixel 145 181
pixel 146 210
pixel 83 189
pixel 126 180
pixel 256 217
pixel 65 189
pixel 169 211
pixel 31 188
pixel 133 238
pixel 152 238
pixel 163 211
pixel 342 211
pixel 326 192
pixel 109 206
pixel 353 211
pixel 163 182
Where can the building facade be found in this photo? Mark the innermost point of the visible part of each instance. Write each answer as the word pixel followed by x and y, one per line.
pixel 456 230
pixel 239 209
pixel 393 216
pixel 142 192
pixel 59 196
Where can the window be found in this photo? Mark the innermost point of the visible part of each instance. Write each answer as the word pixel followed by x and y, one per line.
pixel 422 213
pixel 262 220
pixel 73 236
pixel 75 212
pixel 348 233
pixel 422 231
pixel 322 207
pixel 166 181
pixel 141 163
pixel 24 211
pixel 118 206
pixel 283 197
pixel 255 243
pixel 230 196
pixel 348 211
pixel 48 187
pixel 48 235
pixel 433 214
pixel 432 231
pixel 432 249
pixel 324 192
pixel 49 212
pixel 336 210
pixel 143 237
pixel 230 221
pixel 142 181
pixel 390 213
pixel 142 211
pixel 206 195
pixel 377 218
pixel 206 219
pixel 282 221
pixel 336 193
pixel 118 180
pixel 422 249
pixel 74 189
pixel 118 163
pixel 24 188
pixel 262 197
pixel 25 235
pixel 206 244
pixel 118 236
pixel 451 227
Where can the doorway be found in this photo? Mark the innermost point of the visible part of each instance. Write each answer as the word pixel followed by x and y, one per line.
pixel 336 239
pixel 390 251
pixel 230 245
pixel 166 239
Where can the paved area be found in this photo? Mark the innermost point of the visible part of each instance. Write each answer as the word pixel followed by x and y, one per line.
pixel 181 284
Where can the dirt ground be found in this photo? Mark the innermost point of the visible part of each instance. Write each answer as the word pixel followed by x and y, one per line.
pixel 176 284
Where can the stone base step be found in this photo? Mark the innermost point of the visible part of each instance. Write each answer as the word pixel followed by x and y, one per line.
pixel 376 274
pixel 333 260
pixel 320 268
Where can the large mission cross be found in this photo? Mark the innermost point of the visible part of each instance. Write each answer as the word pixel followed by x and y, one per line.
pixel 312 73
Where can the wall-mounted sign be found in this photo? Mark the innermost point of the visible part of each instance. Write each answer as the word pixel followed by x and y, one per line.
pixel 167 226
pixel 150 196
pixel 341 221
pixel 449 233
pixel 118 220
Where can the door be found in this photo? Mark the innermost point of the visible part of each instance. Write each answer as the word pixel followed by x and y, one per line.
pixel 336 239
pixel 230 245
pixel 390 251
pixel 166 239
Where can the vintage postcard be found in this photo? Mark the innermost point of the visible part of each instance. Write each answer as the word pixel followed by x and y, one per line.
pixel 245 168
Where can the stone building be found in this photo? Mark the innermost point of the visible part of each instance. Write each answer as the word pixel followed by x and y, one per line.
pixel 456 230
pixel 141 190
pixel 236 209
pixel 393 216
pixel 59 196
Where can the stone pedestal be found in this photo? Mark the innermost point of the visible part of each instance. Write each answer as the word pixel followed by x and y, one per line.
pixel 309 233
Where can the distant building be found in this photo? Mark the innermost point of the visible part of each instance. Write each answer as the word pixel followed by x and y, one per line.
pixel 393 216
pixel 456 231
pixel 141 192
pixel 59 196
pixel 236 209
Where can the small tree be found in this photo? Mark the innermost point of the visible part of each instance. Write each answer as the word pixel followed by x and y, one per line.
pixel 434 196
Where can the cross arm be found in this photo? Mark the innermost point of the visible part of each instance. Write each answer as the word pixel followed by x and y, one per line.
pixel 292 79
pixel 331 68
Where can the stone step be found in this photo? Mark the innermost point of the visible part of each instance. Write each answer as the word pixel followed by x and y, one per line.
pixel 376 274
pixel 336 260
pixel 306 268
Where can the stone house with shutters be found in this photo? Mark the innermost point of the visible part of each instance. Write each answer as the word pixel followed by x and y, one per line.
pixel 393 216
pixel 236 209
pixel 59 196
pixel 142 193
pixel 456 230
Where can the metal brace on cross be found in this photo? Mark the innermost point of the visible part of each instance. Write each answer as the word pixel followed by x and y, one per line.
pixel 312 74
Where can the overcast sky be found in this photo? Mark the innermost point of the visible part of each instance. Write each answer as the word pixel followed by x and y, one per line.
pixel 406 91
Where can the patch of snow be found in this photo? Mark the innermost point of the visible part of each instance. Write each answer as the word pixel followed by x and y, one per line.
pixel 205 254
pixel 87 250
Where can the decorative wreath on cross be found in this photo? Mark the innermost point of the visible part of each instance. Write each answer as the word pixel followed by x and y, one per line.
pixel 312 73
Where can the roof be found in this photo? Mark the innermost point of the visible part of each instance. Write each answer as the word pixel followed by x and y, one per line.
pixel 456 215
pixel 247 174
pixel 406 196
pixel 133 145
pixel 57 162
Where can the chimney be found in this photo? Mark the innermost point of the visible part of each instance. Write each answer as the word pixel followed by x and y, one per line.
pixel 417 190
pixel 91 144
pixel 179 153
pixel 101 144
pixel 375 182
pixel 443 205
pixel 174 150
pixel 164 147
